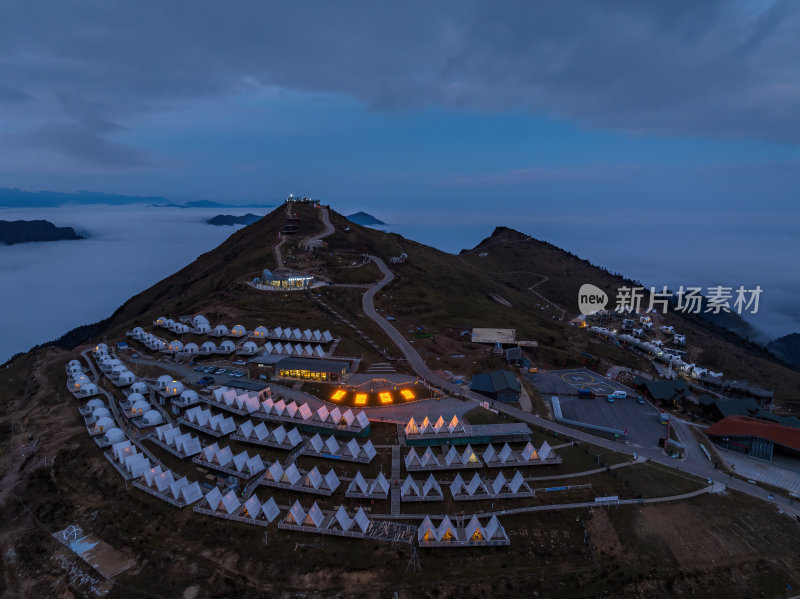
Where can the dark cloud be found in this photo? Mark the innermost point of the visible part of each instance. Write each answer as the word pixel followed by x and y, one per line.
pixel 714 68
pixel 87 141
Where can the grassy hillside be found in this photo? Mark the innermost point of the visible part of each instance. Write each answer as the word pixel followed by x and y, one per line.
pixel 509 280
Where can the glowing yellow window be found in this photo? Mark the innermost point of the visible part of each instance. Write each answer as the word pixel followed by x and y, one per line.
pixel 385 396
pixel 477 536
pixel 448 535
pixel 361 398
pixel 338 394
pixel 407 394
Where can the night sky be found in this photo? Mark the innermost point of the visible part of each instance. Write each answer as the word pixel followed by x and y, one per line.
pixel 674 105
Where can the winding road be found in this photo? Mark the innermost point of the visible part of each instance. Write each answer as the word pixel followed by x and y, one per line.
pixel 694 463
pixel 312 240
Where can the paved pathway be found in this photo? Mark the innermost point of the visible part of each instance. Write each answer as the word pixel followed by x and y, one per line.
pixel 312 240
pixel 714 488
pixel 394 481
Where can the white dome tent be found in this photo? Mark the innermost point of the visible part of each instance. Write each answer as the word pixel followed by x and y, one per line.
pixel 175 345
pixel 134 397
pixel 248 348
pixel 189 395
pixel 139 387
pixel 209 347
pixel 260 332
pixel 227 347
pixel 191 349
pixel 220 331
pixel 126 377
pixel 238 331
pixel 101 412
pixel 163 381
pixel 86 390
pixel 173 388
pixel 95 403
pixel 139 408
pixel 152 418
pixel 114 435
pixel 103 424
pixel 200 324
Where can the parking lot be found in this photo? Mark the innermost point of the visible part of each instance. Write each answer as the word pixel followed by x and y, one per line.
pixel 641 421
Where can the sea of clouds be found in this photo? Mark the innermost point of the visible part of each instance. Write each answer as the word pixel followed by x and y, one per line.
pixel 48 288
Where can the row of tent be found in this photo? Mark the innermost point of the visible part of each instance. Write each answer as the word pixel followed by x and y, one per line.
pixel 216 425
pixel 99 421
pixel 128 456
pixel 294 334
pixel 658 353
pixel 259 434
pixel 163 484
pixel 229 506
pixel 242 464
pixel 149 340
pixel 360 487
pixel 199 324
pixel 308 482
pixel 181 444
pixel 248 403
pixel 350 451
pixel 501 486
pixel 411 490
pixel 81 386
pixel 315 520
pixel 114 369
pixel 287 349
pixel 473 534
pixel 426 427
pixel 452 459
pixel 177 326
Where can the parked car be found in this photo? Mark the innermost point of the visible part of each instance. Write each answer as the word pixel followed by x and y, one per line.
pixel 240 363
pixel 199 369
pixel 611 398
pixel 640 400
pixel 219 371
pixel 619 394
pixel 135 356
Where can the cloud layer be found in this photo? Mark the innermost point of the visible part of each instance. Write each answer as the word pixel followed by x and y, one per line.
pixel 72 72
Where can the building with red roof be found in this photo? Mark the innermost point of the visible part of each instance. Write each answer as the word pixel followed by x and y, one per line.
pixel 755 437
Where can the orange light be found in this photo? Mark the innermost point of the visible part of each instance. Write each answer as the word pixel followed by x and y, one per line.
pixel 407 394
pixel 361 398
pixel 386 397
pixel 338 394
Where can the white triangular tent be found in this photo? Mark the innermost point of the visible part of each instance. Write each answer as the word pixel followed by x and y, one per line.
pixel 214 498
pixel 545 451
pixel 358 484
pixel 490 455
pixel 409 488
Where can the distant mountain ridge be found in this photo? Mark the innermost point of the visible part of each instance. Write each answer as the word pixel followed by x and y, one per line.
pixel 11 197
pixel 787 348
pixel 26 231
pixel 229 219
pixel 364 219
